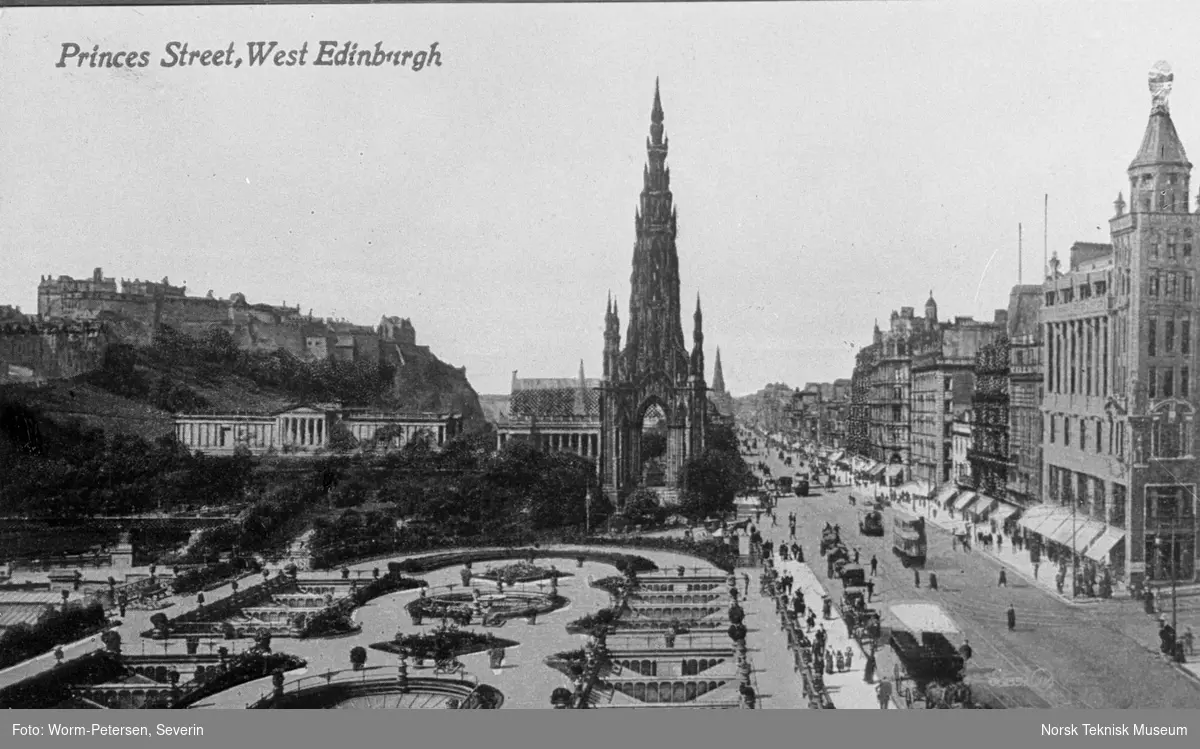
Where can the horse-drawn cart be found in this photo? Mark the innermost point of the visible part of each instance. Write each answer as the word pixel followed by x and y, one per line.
pixel 862 622
pixel 930 669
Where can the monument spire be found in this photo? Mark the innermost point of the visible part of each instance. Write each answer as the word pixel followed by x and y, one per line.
pixel 718 374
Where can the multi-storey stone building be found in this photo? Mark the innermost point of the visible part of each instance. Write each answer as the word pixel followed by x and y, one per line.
pixel 1025 390
pixel 943 382
pixel 1120 401
pixel 989 453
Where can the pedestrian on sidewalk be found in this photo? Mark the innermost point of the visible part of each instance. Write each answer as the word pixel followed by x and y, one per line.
pixel 849 658
pixel 856 556
pixel 999 542
pixel 826 607
pixel 874 565
pixel 1189 641
pixel 841 661
pixel 869 669
pixel 870 590
pixel 829 662
pixel 1003 580
pixel 917 577
pixel 1012 618
pixel 884 693
pixel 746 580
pixel 792 530
pixel 954 542
pixel 1035 569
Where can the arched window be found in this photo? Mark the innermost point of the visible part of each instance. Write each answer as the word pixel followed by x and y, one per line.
pixel 1171 431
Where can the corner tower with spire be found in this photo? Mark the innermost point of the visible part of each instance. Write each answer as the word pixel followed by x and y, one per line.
pixel 655 367
pixel 1150 394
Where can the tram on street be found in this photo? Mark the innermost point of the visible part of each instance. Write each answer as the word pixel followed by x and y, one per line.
pixel 909 541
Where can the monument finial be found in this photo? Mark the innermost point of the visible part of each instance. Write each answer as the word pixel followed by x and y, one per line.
pixel 1161 79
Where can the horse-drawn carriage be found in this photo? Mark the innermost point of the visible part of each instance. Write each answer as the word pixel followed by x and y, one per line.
pixel 830 538
pixel 853 576
pixel 930 669
pixel 870 523
pixel 862 622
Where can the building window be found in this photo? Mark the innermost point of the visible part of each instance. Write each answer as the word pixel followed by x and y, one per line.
pixel 1152 381
pixel 1169 333
pixel 1171 243
pixel 1153 247
pixel 1053 428
pixel 1185 336
pixel 1187 250
pixel 1183 382
pixel 1083 434
pixel 949 384
pixel 1169 436
pixel 1168 383
pixel 1067 431
pixel 1153 285
pixel 1099 436
pixel 1117 520
pixel 1152 337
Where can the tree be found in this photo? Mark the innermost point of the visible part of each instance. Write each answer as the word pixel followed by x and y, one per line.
pixel 358 657
pixel 340 439
pixel 642 507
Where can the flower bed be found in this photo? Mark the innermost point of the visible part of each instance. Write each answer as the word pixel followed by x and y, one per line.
pixel 520 572
pixel 213 576
pixel 461 607
pixel 569 663
pixel 615 586
pixel 588 625
pixel 55 686
pixel 419 565
pixel 245 667
pixel 442 643
pixel 55 627
pixel 717 553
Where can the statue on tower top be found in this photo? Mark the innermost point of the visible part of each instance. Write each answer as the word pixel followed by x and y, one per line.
pixel 1161 81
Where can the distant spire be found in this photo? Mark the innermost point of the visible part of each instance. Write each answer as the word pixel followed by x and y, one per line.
pixel 718 374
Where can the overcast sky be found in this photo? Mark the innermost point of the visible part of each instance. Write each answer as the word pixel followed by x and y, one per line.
pixel 830 163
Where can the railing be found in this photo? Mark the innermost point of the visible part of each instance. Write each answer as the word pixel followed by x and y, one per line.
pixel 716 641
pixel 347 676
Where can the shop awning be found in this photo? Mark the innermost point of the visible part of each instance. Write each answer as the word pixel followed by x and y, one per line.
pixel 1077 533
pixel 924 617
pixel 876 471
pixel 1052 522
pixel 837 456
pixel 1034 517
pixel 1004 512
pixel 946 495
pixel 984 505
pixel 916 488
pixel 894 470
pixel 964 499
pixel 1103 546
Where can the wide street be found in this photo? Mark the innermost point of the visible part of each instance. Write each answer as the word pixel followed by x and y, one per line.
pixel 1059 655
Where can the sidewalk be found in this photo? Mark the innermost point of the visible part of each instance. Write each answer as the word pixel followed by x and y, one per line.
pixel 847 689
pixel 775 679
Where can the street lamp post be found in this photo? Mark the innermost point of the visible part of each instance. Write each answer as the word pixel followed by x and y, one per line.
pixel 1158 545
pixel 1074 554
